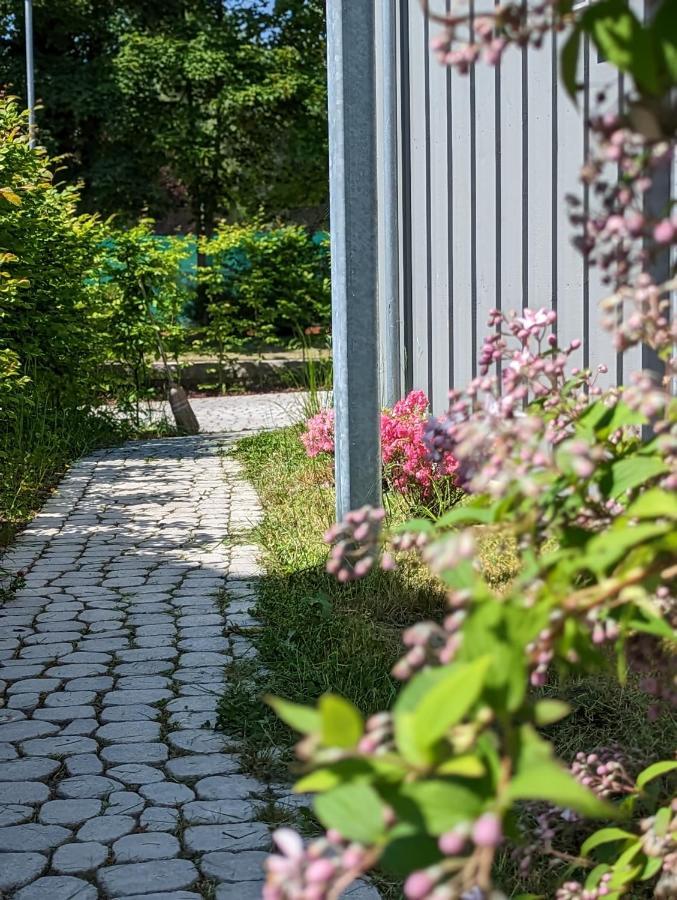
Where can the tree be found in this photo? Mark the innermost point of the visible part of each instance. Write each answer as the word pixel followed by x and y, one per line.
pixel 195 108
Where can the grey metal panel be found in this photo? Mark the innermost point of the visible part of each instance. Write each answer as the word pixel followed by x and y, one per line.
pixel 487 219
pixel 540 233
pixel 569 155
pixel 388 163
pixel 440 332
pixel 419 62
pixel 600 350
pixel 512 181
pixel 461 213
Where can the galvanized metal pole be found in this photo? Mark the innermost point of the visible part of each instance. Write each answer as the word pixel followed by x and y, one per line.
pixel 30 71
pixel 390 277
pixel 352 178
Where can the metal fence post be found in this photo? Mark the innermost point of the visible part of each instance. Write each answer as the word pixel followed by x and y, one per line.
pixel 352 167
pixel 390 280
pixel 30 71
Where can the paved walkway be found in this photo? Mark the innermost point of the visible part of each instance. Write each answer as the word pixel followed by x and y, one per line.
pixel 243 412
pixel 112 656
pixel 112 660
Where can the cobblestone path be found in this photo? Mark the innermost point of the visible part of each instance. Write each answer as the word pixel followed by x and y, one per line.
pixel 111 662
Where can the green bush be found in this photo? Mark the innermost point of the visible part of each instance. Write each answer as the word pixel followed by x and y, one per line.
pixel 52 335
pixel 264 285
pixel 145 295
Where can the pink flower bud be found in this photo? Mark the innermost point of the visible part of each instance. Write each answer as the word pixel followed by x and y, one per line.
pixel 487 831
pixel 418 885
pixel 320 871
pixel 289 842
pixel 664 232
pixel 452 843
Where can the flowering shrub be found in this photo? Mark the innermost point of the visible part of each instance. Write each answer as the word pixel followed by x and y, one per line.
pixel 408 467
pixel 319 434
pixel 458 771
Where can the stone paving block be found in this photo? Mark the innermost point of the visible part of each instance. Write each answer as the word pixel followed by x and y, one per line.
pixel 248 890
pixel 136 774
pixel 58 887
pixel 135 713
pixel 160 876
pixel 84 764
pixel 124 803
pixel 232 837
pixel 127 698
pixel 234 867
pixel 229 787
pixel 145 846
pixel 106 829
pixel 67 714
pixel 100 683
pixel 33 836
pixel 87 787
pixel 196 741
pixel 116 754
pixel 14 732
pixel 34 769
pixel 18 869
pixel 195 766
pixel 173 895
pixel 59 746
pixel 167 793
pixel 69 812
pixel 14 813
pixel 73 859
pixel 218 812
pixel 84 727
pixel 159 818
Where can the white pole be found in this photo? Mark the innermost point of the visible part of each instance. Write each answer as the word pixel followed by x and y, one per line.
pixel 30 71
pixel 354 229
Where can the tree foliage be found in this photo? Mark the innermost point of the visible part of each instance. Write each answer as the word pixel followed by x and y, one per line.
pixel 190 109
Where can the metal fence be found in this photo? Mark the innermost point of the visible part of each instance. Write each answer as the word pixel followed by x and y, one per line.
pixel 484 162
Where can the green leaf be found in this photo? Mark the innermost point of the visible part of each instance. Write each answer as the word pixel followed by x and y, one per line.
pixel 605 836
pixel 547 780
pixel 342 724
pixel 467 766
pixel 654 504
pixel 619 36
pixel 441 804
pixel 548 711
pixel 355 810
pixel 467 515
pixel 664 31
pixel 301 718
pixel 631 472
pixel 652 866
pixel 655 771
pixel 451 698
pixel 408 852
pixel 569 63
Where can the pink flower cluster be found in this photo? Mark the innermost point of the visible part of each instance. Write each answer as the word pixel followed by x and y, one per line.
pixel 319 434
pixel 315 871
pixel 441 881
pixel 614 235
pixel 467 37
pixel 495 440
pixel 408 467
